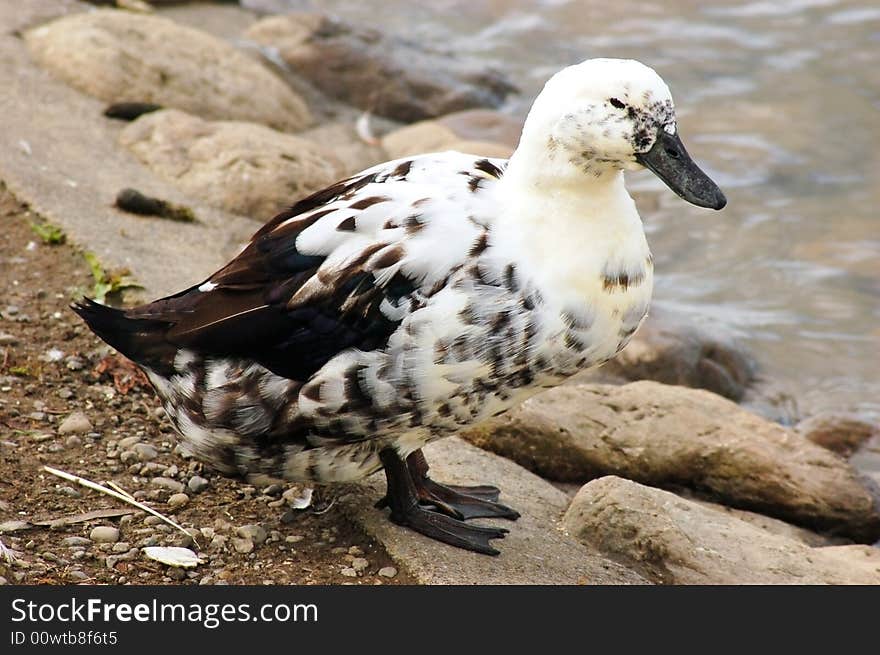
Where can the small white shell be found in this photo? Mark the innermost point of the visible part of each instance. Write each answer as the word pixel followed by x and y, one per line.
pixel 302 501
pixel 173 556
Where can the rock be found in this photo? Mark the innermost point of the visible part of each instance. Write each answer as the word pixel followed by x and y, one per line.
pixel 349 572
pixel 14 525
pixel 75 541
pixel 534 552
pixel 256 533
pixel 675 541
pixel 353 154
pixel 104 534
pixel 76 423
pixel 359 564
pixel 244 168
pixel 145 452
pixel 665 435
pixel 384 74
pixel 241 545
pixel 178 500
pixel 388 572
pixel 481 149
pixel 672 349
pixel 483 125
pixel 197 484
pixel 121 56
pixel 838 432
pixel 432 136
pixel 767 523
pixel 7 339
pixel 173 486
pixel 274 490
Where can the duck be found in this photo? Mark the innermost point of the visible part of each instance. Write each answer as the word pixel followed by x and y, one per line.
pixel 418 297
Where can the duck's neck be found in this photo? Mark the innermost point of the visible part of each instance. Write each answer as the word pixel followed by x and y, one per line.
pixel 568 227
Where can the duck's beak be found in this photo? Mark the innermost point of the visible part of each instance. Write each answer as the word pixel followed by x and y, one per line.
pixel 669 161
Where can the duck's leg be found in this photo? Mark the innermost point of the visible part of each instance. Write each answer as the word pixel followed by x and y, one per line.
pixel 456 501
pixel 418 466
pixel 406 510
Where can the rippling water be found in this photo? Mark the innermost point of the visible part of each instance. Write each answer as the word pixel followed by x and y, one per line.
pixel 780 101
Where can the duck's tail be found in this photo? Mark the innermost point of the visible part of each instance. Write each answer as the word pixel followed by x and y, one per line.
pixel 141 340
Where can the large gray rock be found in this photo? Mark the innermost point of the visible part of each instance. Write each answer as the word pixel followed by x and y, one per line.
pixel 839 432
pixel 535 552
pixel 62 157
pixel 665 435
pixel 244 168
pixel 671 349
pixel 676 541
pixel 124 56
pixel 387 75
pixel 433 136
pixel 341 138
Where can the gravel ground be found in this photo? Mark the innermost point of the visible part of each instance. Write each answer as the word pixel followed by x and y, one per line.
pixel 67 402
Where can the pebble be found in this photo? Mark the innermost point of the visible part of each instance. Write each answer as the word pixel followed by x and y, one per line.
pixel 197 484
pixel 77 576
pixel 13 526
pixel 65 393
pixel 145 452
pixel 73 441
pixel 359 564
pixel 388 572
pixel 242 545
pixel 121 547
pixel 167 483
pixel 76 423
pixel 75 541
pixel 128 457
pixel 349 572
pixel 294 538
pixel 104 534
pixel 356 551
pixel 74 363
pixel 273 490
pixel 68 491
pixel 254 532
pixel 178 500
pixel 176 573
pixel 7 339
pixel 128 442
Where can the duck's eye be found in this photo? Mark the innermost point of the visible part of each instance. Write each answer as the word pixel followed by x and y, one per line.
pixel 673 153
pixel 617 103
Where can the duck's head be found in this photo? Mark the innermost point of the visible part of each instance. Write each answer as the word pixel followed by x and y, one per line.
pixel 610 114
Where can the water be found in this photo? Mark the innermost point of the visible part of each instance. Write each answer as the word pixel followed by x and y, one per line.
pixel 780 101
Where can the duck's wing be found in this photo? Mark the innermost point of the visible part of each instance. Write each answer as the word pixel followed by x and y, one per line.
pixel 341 269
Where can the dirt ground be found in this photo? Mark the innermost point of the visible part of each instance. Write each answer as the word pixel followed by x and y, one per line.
pixel 52 366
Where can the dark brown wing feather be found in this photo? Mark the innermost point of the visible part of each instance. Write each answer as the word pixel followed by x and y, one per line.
pixel 249 313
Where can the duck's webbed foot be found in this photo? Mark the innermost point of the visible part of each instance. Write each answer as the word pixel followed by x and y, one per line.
pixel 438 511
pixel 459 502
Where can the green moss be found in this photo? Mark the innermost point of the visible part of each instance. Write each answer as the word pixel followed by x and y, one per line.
pixel 108 282
pixel 50 234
